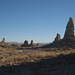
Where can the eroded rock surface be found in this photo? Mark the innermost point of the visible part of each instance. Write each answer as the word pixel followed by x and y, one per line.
pixel 57 37
pixel 25 43
pixel 3 40
pixel 69 29
pixel 31 43
pixel 69 39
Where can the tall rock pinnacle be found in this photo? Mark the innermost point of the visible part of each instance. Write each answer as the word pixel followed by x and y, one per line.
pixel 69 29
pixel 57 37
pixel 31 43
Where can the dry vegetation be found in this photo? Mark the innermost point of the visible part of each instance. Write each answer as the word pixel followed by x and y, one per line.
pixel 16 55
pixel 18 60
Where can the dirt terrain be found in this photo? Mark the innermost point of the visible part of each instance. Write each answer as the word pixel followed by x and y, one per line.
pixel 18 60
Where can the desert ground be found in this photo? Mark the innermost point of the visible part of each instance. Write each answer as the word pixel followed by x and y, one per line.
pixel 17 60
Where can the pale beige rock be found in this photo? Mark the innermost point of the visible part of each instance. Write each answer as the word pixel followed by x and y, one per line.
pixel 69 29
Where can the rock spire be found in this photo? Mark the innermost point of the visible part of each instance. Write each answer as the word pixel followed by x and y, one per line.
pixel 31 43
pixel 69 29
pixel 26 43
pixel 57 37
pixel 3 40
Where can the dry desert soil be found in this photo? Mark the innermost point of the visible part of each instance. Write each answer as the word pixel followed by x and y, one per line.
pixel 17 60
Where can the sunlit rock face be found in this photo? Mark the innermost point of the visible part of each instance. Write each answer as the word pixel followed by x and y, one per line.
pixel 69 29
pixel 3 40
pixel 57 37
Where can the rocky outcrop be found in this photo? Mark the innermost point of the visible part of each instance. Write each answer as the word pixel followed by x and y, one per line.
pixel 31 43
pixel 63 43
pixel 69 39
pixel 69 29
pixel 25 43
pixel 57 37
pixel 3 40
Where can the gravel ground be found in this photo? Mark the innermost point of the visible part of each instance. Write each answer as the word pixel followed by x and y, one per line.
pixel 36 61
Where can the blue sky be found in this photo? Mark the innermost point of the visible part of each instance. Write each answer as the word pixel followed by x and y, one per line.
pixel 38 20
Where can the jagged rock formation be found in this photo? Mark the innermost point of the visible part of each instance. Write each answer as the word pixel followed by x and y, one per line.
pixel 69 29
pixel 28 45
pixel 57 37
pixel 25 43
pixel 3 40
pixel 68 41
pixel 5 44
pixel 31 43
pixel 63 43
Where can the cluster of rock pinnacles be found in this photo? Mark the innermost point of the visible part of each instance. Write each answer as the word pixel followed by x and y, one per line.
pixel 3 41
pixel 26 44
pixel 69 33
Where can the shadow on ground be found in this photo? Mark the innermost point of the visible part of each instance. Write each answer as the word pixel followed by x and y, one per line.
pixel 60 65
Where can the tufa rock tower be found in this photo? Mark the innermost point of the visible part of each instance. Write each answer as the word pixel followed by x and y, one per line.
pixel 69 33
pixel 26 43
pixel 57 37
pixel 68 41
pixel 31 43
pixel 3 40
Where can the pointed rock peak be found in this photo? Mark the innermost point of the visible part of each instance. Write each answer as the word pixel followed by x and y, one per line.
pixel 3 40
pixel 70 19
pixel 57 37
pixel 69 33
